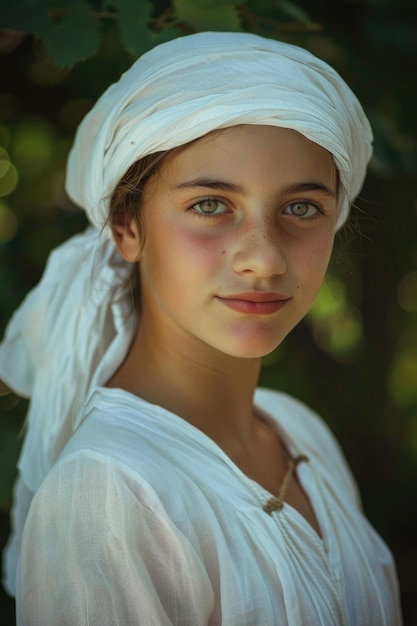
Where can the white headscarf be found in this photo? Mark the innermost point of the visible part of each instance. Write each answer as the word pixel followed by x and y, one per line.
pixel 73 330
pixel 185 88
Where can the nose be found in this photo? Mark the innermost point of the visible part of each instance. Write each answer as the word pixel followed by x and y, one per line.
pixel 259 249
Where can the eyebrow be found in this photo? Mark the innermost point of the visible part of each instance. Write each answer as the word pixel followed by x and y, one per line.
pixel 221 185
pixel 210 183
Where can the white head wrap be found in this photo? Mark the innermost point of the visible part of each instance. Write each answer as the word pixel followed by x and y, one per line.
pixel 73 330
pixel 185 88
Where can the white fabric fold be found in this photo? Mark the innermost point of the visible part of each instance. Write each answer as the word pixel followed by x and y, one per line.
pixel 190 86
pixel 68 335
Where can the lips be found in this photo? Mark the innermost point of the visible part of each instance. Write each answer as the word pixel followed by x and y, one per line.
pixel 255 303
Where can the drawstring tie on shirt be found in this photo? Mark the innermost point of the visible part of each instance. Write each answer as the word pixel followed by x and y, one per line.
pixel 277 503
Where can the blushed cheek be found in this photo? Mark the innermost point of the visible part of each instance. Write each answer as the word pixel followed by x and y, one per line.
pixel 199 250
pixel 184 255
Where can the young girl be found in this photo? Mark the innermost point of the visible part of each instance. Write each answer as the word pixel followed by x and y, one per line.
pixel 156 484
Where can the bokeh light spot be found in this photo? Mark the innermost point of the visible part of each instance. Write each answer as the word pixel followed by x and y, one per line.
pixel 8 223
pixel 407 292
pixel 330 300
pixel 8 177
pixel 4 167
pixel 339 334
pixel 402 382
pixel 337 324
pixel 32 146
pixel 44 72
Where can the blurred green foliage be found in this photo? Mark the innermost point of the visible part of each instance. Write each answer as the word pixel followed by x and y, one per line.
pixel 354 358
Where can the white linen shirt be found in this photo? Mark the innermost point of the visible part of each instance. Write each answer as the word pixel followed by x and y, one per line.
pixel 144 520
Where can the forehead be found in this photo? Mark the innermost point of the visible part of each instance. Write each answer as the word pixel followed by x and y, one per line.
pixel 249 151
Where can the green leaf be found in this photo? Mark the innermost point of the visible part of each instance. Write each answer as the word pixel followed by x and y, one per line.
pixel 134 17
pixel 72 39
pixel 68 29
pixel 209 14
pixel 135 26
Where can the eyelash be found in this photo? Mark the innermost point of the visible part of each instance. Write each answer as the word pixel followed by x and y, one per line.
pixel 318 209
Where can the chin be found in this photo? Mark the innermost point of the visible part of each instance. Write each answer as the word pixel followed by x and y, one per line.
pixel 252 348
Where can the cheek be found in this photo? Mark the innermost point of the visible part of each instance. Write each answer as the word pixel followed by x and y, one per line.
pixel 200 249
pixel 181 253
pixel 314 257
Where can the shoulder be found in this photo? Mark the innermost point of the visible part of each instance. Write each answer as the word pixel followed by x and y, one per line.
pixel 98 547
pixel 93 499
pixel 86 479
pixel 101 506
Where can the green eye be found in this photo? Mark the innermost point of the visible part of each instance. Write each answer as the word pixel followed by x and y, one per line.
pixel 210 206
pixel 301 209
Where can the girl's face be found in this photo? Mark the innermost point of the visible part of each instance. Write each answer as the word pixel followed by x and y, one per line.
pixel 239 231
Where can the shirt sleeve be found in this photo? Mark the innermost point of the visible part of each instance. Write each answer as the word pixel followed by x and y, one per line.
pixel 99 549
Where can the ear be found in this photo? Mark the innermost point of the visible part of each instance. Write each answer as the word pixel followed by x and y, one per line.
pixel 127 237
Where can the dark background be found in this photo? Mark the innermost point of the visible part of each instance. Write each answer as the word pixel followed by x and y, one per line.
pixel 354 359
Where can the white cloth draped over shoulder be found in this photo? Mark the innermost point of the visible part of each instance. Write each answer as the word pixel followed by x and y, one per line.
pixel 73 330
pixel 68 336
pixel 54 353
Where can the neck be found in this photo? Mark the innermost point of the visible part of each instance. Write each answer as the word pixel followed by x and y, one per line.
pixel 211 390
